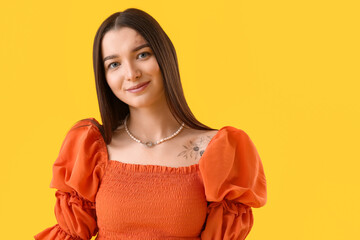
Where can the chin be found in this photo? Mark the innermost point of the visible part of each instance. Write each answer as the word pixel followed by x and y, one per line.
pixel 139 104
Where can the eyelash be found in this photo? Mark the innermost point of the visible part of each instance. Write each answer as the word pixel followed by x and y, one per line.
pixel 138 55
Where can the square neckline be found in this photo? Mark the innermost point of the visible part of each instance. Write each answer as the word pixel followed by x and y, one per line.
pixel 160 168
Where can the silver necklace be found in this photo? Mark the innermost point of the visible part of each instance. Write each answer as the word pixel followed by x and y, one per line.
pixel 149 143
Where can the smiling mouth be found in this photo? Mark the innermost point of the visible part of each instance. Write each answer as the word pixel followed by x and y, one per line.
pixel 138 86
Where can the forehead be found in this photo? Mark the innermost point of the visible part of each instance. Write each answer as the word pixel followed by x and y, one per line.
pixel 121 40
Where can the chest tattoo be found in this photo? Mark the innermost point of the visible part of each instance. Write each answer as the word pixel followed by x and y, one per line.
pixel 194 149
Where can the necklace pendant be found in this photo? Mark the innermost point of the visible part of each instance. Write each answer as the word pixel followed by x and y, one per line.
pixel 149 144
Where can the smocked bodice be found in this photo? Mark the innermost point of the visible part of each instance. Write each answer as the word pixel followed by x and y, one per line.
pixel 147 201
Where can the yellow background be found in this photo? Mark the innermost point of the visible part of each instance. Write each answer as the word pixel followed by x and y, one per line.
pixel 286 72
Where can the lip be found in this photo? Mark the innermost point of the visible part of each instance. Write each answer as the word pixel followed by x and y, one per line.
pixel 138 87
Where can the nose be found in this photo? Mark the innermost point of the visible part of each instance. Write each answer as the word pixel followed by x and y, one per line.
pixel 132 72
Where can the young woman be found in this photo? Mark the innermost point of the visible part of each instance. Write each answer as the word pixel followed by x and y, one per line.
pixel 151 170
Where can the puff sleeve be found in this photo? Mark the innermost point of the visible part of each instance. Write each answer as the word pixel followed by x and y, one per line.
pixel 234 182
pixel 77 173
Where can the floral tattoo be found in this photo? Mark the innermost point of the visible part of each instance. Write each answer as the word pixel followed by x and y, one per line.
pixel 195 149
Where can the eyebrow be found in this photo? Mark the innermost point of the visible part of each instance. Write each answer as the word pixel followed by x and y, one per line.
pixel 134 50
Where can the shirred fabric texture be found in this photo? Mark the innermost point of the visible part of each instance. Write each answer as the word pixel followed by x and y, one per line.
pixel 115 200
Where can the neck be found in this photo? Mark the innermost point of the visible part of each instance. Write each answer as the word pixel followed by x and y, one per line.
pixel 152 124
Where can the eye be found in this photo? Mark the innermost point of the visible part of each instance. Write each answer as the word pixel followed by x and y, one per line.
pixel 144 53
pixel 111 64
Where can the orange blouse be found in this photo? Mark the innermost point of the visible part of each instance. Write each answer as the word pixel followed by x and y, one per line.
pixel 115 200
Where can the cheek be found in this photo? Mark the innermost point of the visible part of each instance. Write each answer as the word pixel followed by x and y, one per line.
pixel 154 68
pixel 113 81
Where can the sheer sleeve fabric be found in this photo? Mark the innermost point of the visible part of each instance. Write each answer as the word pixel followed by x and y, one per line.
pixel 234 182
pixel 77 173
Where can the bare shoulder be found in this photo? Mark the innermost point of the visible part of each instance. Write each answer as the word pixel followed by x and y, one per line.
pixel 201 133
pixel 119 139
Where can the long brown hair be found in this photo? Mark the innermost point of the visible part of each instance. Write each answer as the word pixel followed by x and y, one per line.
pixel 113 111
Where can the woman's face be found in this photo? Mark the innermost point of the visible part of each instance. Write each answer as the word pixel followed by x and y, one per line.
pixel 129 61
